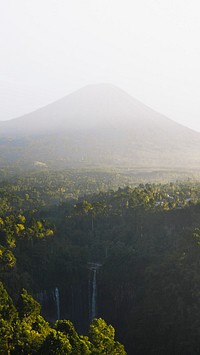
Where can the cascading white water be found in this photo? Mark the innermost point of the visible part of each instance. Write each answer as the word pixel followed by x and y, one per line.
pixel 94 294
pixel 42 298
pixel 93 290
pixel 57 300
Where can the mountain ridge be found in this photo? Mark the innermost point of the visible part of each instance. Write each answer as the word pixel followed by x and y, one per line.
pixel 99 124
pixel 95 90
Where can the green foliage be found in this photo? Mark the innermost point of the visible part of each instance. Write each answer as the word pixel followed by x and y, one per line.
pixel 8 316
pixel 196 235
pixel 80 345
pixel 29 333
pixel 53 224
pixel 28 308
pixel 55 343
pixel 102 336
pixel 7 259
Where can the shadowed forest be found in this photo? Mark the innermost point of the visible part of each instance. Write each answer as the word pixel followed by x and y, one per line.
pixel 145 239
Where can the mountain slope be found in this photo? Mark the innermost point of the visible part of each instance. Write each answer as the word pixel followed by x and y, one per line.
pixel 98 124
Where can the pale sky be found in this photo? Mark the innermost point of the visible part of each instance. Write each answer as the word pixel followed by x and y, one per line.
pixel 149 48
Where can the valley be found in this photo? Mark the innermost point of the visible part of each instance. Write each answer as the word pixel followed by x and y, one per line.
pixel 129 255
pixel 99 229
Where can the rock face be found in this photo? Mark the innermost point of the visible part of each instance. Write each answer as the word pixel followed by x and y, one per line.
pixel 101 125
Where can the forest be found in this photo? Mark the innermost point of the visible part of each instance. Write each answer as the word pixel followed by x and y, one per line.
pixel 139 241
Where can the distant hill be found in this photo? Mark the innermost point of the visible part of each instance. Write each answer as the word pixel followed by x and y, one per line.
pixel 98 125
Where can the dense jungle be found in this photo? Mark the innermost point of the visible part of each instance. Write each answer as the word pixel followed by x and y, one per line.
pixel 91 260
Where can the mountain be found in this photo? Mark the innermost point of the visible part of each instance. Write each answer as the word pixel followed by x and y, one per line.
pixel 101 125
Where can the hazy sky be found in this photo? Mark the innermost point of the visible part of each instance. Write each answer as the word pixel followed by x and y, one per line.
pixel 149 48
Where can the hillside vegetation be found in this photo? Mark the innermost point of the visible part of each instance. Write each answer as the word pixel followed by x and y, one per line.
pixel 146 241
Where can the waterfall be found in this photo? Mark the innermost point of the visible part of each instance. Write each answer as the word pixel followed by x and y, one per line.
pixel 94 294
pixel 50 303
pixel 42 298
pixel 93 290
pixel 57 300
